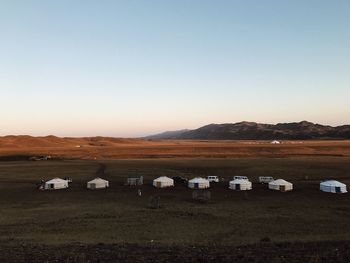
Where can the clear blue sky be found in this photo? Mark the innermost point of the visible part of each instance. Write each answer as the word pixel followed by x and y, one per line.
pixel 131 68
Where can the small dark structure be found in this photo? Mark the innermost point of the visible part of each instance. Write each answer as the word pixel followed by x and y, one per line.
pixel 134 180
pixel 41 185
pixel 202 196
pixel 40 158
pixel 101 169
pixel 68 179
pixel 180 179
pixel 154 202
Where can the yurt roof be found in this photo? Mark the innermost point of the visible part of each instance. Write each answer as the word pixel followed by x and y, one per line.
pixel 55 180
pixel 240 181
pixel 333 183
pixel 280 182
pixel 199 180
pixel 163 179
pixel 98 179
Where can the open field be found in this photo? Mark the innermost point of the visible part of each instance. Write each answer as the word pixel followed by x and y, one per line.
pixel 113 148
pixel 300 252
pixel 118 215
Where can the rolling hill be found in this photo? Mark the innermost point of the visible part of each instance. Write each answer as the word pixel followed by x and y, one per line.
pixel 257 131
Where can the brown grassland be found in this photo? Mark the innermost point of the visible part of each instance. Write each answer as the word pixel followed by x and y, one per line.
pixel 78 225
pixel 114 148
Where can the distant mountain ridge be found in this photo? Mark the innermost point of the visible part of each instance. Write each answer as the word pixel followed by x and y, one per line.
pixel 303 130
pixel 168 134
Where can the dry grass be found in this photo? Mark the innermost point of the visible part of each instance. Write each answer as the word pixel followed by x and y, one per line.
pixel 111 148
pixel 118 215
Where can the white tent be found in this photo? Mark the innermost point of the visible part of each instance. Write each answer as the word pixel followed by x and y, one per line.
pixel 162 182
pixel 98 183
pixel 198 183
pixel 56 183
pixel 240 184
pixel 281 185
pixel 333 186
pixel 275 142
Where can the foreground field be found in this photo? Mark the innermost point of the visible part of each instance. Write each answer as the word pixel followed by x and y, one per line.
pixel 300 252
pixel 37 225
pixel 119 215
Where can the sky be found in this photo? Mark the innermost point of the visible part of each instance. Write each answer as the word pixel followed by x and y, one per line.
pixel 137 67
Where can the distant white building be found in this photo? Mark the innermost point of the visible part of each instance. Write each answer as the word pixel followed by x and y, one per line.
pixel 333 186
pixel 56 183
pixel 198 183
pixel 275 142
pixel 240 184
pixel 97 183
pixel 280 185
pixel 162 182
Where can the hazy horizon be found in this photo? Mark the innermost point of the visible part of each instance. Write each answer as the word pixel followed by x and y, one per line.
pixel 139 136
pixel 135 68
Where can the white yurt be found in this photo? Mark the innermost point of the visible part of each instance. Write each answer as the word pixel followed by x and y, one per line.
pixel 333 186
pixel 56 183
pixel 240 184
pixel 163 181
pixel 97 183
pixel 281 185
pixel 275 142
pixel 198 183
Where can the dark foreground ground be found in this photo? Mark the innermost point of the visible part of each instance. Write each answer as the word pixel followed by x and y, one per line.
pixel 80 225
pixel 311 252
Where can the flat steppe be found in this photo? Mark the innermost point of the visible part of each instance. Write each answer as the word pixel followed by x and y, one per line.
pixel 80 225
pixel 114 148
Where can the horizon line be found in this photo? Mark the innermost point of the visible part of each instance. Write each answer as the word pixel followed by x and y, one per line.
pixel 160 132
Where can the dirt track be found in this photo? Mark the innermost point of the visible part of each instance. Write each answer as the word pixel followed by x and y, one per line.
pixel 263 252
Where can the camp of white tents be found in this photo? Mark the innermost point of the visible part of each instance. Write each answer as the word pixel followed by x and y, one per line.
pixel 56 183
pixel 163 181
pixel 281 185
pixel 240 184
pixel 198 183
pixel 333 186
pixel 97 183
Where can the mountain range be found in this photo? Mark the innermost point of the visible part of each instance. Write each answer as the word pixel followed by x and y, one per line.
pixel 303 130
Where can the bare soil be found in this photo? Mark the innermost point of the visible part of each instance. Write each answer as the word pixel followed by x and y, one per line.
pixel 311 252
